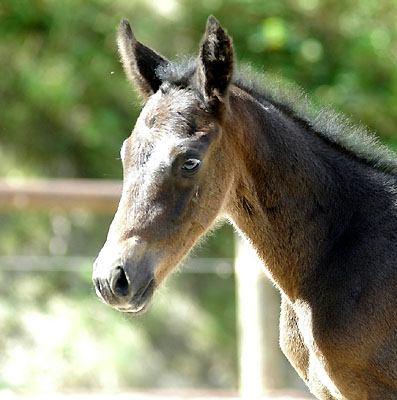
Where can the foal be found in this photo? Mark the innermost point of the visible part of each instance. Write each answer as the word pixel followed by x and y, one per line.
pixel 316 201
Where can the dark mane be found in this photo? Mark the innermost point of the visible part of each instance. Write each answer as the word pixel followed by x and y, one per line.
pixel 335 128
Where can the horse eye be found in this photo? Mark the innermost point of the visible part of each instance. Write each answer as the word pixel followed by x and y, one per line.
pixel 191 164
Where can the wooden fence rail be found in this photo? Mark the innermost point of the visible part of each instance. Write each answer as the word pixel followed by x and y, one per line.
pixel 41 194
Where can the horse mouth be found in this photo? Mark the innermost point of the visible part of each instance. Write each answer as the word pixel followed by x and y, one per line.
pixel 140 302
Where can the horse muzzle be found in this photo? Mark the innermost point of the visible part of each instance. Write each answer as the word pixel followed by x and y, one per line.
pixel 127 282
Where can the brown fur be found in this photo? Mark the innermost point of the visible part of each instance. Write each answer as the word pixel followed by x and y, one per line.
pixel 320 216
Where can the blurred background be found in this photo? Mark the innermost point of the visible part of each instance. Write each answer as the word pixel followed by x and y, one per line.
pixel 65 109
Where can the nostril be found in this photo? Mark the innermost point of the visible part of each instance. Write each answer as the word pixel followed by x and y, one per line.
pixel 119 283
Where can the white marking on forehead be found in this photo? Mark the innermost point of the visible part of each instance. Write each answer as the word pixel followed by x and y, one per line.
pixel 153 150
pixel 165 143
pixel 147 178
pixel 142 130
pixel 162 152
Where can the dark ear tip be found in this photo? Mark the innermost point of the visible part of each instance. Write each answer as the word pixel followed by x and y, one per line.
pixel 125 27
pixel 213 26
pixel 124 23
pixel 211 20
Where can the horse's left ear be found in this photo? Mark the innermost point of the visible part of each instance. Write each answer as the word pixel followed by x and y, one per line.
pixel 215 64
pixel 140 63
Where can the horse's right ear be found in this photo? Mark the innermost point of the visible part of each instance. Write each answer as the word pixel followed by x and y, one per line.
pixel 140 63
pixel 215 64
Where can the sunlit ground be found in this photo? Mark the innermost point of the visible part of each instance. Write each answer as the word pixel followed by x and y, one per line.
pixel 57 336
pixel 213 395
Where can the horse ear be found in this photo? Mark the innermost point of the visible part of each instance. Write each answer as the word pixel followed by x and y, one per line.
pixel 215 64
pixel 140 63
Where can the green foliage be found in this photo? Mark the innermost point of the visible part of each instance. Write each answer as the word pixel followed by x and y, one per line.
pixel 66 107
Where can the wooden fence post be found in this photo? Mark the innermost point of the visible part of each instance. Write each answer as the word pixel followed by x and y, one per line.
pixel 258 305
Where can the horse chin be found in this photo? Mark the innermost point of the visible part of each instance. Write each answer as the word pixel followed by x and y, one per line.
pixel 135 311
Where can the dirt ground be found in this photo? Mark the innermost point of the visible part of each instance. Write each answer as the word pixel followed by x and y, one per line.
pixel 154 395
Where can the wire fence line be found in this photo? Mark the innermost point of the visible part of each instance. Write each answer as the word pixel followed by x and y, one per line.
pixel 220 266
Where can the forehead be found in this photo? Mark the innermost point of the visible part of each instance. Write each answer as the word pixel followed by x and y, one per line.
pixel 170 121
pixel 174 112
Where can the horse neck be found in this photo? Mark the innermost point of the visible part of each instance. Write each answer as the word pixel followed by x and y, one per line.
pixel 283 193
